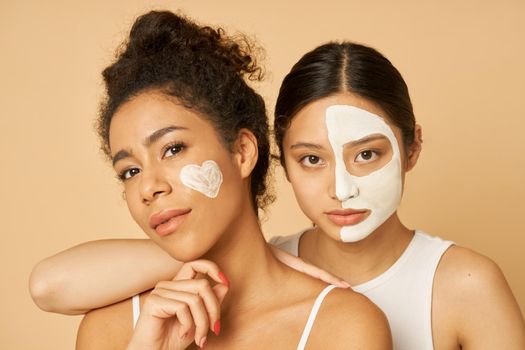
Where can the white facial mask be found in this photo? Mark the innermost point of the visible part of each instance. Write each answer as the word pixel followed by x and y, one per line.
pixel 206 179
pixel 379 191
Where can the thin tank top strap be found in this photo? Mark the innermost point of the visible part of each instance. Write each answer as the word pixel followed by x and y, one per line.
pixel 313 315
pixel 135 302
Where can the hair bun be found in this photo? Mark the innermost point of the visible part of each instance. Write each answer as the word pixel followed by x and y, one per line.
pixel 163 32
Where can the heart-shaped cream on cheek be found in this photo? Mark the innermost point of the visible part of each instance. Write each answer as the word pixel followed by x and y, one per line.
pixel 205 178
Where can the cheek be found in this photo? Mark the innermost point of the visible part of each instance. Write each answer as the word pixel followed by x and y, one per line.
pixel 309 190
pixel 229 195
pixel 134 207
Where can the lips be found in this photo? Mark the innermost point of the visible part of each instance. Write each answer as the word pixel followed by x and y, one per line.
pixel 348 217
pixel 167 221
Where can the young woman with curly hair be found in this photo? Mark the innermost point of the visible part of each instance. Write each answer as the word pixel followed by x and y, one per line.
pixel 189 140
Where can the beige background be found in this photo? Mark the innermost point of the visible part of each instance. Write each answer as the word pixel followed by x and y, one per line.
pixel 463 62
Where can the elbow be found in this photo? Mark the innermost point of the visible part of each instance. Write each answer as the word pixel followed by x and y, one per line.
pixel 45 288
pixel 42 287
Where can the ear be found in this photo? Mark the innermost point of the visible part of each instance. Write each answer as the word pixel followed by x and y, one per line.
pixel 415 149
pixel 246 152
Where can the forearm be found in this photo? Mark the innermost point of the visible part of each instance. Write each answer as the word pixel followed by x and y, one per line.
pixel 98 273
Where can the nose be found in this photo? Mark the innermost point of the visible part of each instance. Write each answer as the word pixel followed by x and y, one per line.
pixel 345 186
pixel 153 184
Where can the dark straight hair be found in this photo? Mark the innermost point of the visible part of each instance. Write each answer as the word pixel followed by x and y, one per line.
pixel 335 68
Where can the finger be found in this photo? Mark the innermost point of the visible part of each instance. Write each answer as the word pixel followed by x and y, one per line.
pixel 159 306
pixel 190 269
pixel 202 288
pixel 320 274
pixel 197 309
pixel 325 276
pixel 309 269
pixel 220 291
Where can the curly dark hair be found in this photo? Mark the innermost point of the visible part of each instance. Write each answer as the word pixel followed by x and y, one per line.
pixel 201 67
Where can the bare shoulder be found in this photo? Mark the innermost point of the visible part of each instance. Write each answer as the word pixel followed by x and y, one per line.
pixel 350 321
pixel 465 272
pixel 109 327
pixel 472 297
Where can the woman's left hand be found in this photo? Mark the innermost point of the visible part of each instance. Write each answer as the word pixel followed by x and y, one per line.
pixel 183 310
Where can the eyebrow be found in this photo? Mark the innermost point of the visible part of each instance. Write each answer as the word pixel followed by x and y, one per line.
pixel 306 145
pixel 155 136
pixel 366 139
pixel 119 156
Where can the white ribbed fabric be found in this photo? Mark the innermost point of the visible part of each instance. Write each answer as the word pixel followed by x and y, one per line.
pixel 404 291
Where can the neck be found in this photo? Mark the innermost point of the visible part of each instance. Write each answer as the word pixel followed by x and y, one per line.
pixel 244 257
pixel 361 261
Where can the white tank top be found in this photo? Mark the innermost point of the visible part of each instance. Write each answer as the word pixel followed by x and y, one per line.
pixel 135 301
pixel 403 292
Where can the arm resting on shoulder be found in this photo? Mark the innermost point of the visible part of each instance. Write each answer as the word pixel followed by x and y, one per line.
pixel 99 273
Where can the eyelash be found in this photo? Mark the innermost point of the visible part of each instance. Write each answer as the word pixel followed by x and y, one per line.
pixel 374 152
pixel 179 145
pixel 122 174
pixel 302 160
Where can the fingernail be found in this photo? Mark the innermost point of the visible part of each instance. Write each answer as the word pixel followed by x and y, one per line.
pixel 345 284
pixel 224 280
pixel 203 341
pixel 217 327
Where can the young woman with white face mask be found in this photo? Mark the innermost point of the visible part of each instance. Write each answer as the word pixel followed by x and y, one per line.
pixel 347 135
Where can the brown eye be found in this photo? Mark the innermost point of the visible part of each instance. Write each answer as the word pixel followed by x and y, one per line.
pixel 366 156
pixel 129 173
pixel 172 150
pixel 312 161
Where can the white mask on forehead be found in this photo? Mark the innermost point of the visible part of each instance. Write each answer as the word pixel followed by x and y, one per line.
pixel 379 191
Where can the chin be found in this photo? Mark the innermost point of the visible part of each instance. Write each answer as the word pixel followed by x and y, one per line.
pixel 334 232
pixel 187 250
pixel 185 255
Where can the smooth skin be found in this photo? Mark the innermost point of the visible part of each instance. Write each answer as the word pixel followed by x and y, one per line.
pixel 184 312
pixel 472 305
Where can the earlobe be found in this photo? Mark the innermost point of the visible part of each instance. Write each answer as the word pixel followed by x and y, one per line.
pixel 246 152
pixel 415 148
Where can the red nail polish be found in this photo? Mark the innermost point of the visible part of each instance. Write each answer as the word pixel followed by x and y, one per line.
pixel 217 327
pixel 223 278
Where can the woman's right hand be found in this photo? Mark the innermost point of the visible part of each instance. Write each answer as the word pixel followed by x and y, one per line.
pixel 300 265
pixel 183 310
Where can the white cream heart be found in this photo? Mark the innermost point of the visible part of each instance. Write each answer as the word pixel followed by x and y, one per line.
pixel 206 179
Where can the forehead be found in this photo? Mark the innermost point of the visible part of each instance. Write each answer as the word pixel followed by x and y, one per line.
pixel 352 123
pixel 149 112
pixel 310 122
